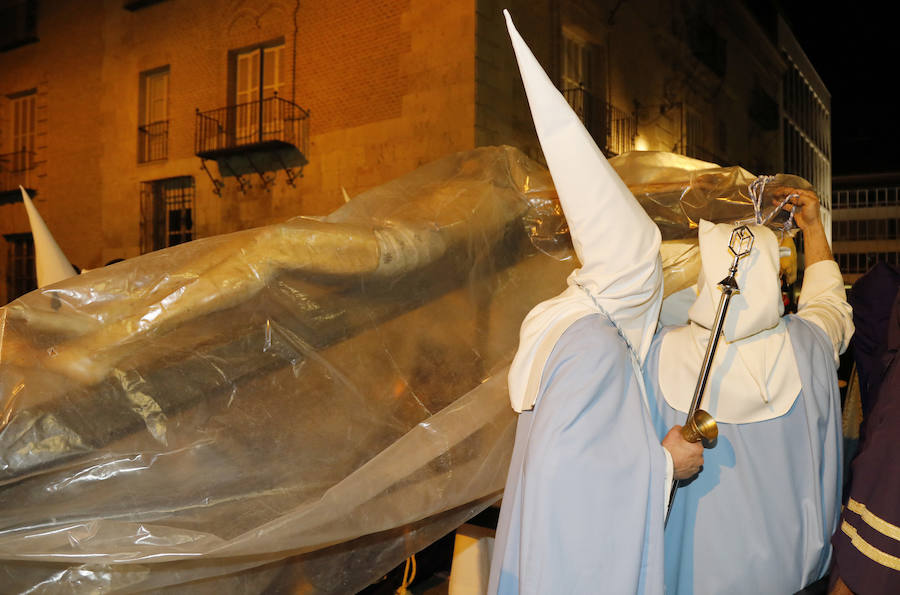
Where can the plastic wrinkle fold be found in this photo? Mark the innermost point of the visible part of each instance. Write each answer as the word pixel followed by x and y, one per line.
pixel 299 406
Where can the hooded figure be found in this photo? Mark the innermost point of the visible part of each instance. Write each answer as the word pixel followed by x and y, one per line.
pixel 759 516
pixel 867 541
pixel 584 503
pixel 51 264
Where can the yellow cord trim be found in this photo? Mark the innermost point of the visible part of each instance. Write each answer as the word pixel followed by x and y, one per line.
pixel 869 550
pixel 409 574
pixel 874 521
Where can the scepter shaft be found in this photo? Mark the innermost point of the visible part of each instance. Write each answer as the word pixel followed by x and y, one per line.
pixel 699 424
pixel 710 354
pixel 700 388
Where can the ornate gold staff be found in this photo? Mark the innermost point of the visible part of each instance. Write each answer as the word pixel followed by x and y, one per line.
pixel 700 425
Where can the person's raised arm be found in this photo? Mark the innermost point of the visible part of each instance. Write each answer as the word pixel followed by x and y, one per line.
pixel 823 300
pixel 805 207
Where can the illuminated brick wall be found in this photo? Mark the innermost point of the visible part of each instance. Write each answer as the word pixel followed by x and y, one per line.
pixel 389 84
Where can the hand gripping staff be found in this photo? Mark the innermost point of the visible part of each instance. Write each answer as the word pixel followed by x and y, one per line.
pixel 700 425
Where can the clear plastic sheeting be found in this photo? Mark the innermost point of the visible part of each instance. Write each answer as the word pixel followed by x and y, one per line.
pixel 678 191
pixel 304 404
pixel 297 407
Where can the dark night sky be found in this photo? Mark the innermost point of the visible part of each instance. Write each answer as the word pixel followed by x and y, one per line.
pixel 855 47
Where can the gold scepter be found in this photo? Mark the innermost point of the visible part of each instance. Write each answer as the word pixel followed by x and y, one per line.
pixel 700 425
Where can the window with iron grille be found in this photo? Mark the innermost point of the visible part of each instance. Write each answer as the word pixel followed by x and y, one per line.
pixel 167 212
pixel 693 134
pixel 576 83
pixel 613 129
pixel 16 168
pixel 621 131
pixel 153 131
pixel 21 275
pixel 23 108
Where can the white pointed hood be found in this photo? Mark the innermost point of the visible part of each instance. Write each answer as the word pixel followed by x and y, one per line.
pixel 615 240
pixel 50 262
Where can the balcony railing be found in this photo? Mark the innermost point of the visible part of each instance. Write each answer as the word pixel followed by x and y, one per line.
pixel 153 141
pixel 270 123
pixel 613 129
pixel 621 131
pixel 882 196
pixel 16 169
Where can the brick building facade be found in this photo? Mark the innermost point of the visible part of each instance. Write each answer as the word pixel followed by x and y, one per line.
pixel 126 119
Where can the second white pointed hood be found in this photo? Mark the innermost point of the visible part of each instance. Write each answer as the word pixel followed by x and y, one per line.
pixel 615 240
pixel 51 264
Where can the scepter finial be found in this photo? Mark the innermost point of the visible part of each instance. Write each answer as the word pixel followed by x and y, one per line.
pixel 741 241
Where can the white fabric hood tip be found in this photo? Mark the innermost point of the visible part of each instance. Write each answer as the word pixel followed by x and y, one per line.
pixel 615 240
pixel 51 264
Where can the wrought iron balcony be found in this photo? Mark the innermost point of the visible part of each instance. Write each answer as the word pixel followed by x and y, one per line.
pixel 268 124
pixel 153 141
pixel 16 169
pixel 621 130
pixel 613 129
